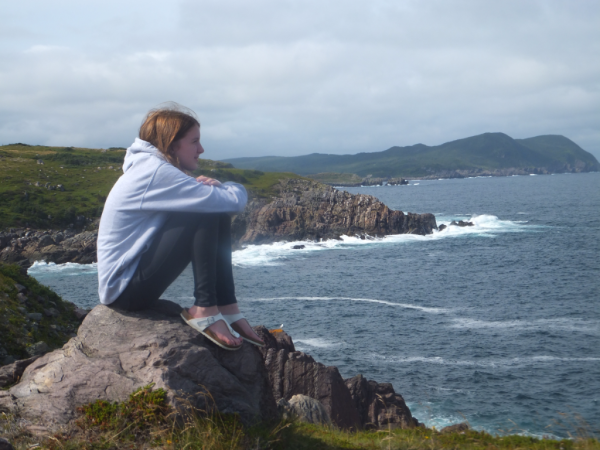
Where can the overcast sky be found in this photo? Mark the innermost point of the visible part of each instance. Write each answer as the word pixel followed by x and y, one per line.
pixel 281 77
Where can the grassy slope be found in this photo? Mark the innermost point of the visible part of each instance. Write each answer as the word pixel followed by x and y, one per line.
pixel 16 331
pixel 488 151
pixel 87 177
pixel 144 421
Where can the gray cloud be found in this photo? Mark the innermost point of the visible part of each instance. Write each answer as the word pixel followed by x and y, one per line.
pixel 287 77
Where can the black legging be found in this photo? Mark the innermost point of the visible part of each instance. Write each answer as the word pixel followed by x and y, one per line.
pixel 202 238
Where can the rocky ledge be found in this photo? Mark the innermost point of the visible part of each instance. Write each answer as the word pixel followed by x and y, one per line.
pixel 25 246
pixel 300 210
pixel 116 352
pixel 308 210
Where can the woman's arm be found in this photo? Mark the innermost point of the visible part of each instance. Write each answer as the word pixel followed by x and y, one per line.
pixel 169 189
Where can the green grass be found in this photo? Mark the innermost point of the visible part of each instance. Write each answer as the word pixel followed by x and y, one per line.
pixel 16 332
pixel 87 176
pixel 145 421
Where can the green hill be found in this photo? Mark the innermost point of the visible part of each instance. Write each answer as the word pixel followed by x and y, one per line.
pixel 59 187
pixel 486 152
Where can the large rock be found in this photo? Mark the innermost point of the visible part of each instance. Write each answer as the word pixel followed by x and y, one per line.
pixel 305 209
pixel 378 405
pixel 116 352
pixel 292 372
pixel 352 404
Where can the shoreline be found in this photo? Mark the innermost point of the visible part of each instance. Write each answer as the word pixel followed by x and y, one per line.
pixel 442 178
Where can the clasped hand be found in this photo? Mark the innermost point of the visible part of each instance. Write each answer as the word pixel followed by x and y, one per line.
pixel 208 181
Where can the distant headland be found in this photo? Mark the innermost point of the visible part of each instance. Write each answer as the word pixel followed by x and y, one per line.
pixel 488 154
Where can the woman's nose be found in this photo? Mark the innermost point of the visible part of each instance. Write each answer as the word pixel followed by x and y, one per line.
pixel 201 149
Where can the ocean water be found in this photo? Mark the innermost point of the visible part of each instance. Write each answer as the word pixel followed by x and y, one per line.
pixel 497 324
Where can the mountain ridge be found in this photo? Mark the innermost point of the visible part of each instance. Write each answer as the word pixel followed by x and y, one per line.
pixel 493 153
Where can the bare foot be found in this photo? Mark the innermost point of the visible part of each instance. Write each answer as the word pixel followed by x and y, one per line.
pixel 219 328
pixel 243 324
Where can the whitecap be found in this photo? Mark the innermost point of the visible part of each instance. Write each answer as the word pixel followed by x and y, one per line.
pixel 484 362
pixel 40 268
pixel 484 225
pixel 555 324
pixel 277 253
pixel 302 343
pixel 351 299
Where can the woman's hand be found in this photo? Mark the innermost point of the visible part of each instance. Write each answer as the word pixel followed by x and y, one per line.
pixel 208 181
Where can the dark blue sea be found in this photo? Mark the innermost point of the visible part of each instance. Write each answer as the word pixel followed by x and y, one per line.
pixel 497 324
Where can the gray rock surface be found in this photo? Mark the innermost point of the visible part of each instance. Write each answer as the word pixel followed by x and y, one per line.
pixel 292 372
pixel 309 410
pixel 351 404
pixel 24 246
pixel 116 352
pixel 378 405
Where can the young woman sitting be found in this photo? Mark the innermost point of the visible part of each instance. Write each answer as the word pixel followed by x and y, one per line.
pixel 157 218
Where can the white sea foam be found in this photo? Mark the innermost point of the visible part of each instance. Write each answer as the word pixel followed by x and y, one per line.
pixel 366 300
pixel 484 362
pixel 307 343
pixel 277 253
pixel 484 225
pixel 556 324
pixel 40 268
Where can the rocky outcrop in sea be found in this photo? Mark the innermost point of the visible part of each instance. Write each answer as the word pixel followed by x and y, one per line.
pixel 300 210
pixel 308 210
pixel 116 352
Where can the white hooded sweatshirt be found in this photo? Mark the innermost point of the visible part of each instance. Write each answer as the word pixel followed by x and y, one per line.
pixel 138 206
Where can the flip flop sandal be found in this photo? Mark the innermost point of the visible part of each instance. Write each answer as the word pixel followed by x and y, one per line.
pixel 232 319
pixel 201 324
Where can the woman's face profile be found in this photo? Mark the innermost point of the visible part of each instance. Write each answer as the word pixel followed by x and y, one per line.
pixel 188 149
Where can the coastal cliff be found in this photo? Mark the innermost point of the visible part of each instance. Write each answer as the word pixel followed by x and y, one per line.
pixel 300 209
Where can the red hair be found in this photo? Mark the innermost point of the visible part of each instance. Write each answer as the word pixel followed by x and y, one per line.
pixel 165 125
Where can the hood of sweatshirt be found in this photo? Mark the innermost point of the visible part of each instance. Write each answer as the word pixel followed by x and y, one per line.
pixel 139 150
